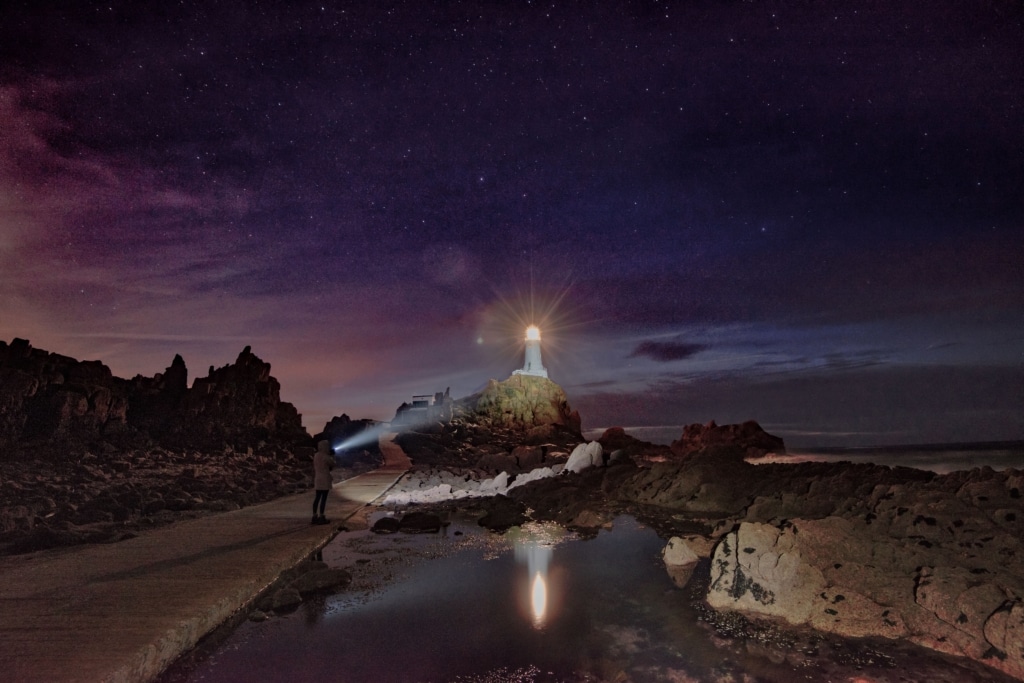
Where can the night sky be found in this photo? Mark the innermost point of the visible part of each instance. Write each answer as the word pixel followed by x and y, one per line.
pixel 809 214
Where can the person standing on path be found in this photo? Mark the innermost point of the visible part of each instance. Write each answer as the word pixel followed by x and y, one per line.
pixel 323 463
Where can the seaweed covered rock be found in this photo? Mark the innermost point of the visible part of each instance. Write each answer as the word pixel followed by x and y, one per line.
pixel 524 401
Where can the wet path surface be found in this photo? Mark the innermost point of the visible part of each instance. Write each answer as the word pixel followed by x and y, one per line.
pixel 124 611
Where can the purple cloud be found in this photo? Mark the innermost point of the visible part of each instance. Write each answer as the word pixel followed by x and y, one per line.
pixel 666 352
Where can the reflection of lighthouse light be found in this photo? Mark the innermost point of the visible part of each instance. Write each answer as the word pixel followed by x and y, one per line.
pixel 539 599
pixel 534 546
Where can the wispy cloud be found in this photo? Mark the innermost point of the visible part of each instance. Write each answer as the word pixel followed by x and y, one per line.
pixel 666 352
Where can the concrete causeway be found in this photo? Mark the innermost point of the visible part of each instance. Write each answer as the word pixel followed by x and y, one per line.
pixel 124 611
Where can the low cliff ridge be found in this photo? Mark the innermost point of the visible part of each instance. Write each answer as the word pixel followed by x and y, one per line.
pixel 47 397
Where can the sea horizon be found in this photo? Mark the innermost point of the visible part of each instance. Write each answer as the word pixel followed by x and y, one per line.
pixel 937 457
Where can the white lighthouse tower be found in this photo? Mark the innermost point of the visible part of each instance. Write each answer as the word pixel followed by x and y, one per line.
pixel 532 365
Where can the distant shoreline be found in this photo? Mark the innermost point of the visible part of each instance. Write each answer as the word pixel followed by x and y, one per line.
pixel 979 446
pixel 665 434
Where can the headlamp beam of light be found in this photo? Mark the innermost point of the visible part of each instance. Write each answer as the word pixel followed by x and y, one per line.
pixel 364 438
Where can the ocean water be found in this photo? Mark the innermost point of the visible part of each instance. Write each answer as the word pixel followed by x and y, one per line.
pixel 936 458
pixel 941 461
pixel 534 605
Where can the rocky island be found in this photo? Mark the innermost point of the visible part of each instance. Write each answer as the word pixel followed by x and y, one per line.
pixel 843 549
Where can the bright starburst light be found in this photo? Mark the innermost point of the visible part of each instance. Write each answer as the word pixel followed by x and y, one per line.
pixel 502 321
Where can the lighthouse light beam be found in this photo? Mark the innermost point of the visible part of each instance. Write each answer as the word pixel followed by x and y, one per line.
pixel 532 364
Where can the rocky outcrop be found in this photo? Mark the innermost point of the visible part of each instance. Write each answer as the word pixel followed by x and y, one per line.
pixel 45 395
pixel 616 440
pixel 48 397
pixel 512 426
pixel 859 550
pixel 523 402
pixel 748 436
pixel 716 481
pixel 839 576
pixel 868 551
pixel 156 402
pixel 465 443
pixel 243 402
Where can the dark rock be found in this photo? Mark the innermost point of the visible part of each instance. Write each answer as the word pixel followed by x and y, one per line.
pixel 354 441
pixel 283 600
pixel 493 463
pixel 240 402
pixel 419 523
pixel 754 441
pixel 322 580
pixel 48 396
pixel 527 457
pixel 386 525
pixel 502 513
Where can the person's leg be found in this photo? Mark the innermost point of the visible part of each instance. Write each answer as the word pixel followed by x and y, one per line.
pixel 319 501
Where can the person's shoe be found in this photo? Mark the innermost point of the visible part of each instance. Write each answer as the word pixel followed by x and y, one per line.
pixel 323 520
pixel 316 520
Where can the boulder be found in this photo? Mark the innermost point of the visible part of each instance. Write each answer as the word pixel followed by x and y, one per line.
pixel 492 487
pixel 527 457
pixel 420 523
pixel 1004 629
pixel 502 513
pixel 590 519
pixel 585 456
pixel 535 475
pixel 682 551
pixel 321 580
pixel 497 462
pixel 282 600
pixel 759 568
pixel 856 579
pixel 681 556
pixel 386 525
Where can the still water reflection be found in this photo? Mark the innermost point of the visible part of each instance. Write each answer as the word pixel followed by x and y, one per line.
pixel 535 605
pixel 533 546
